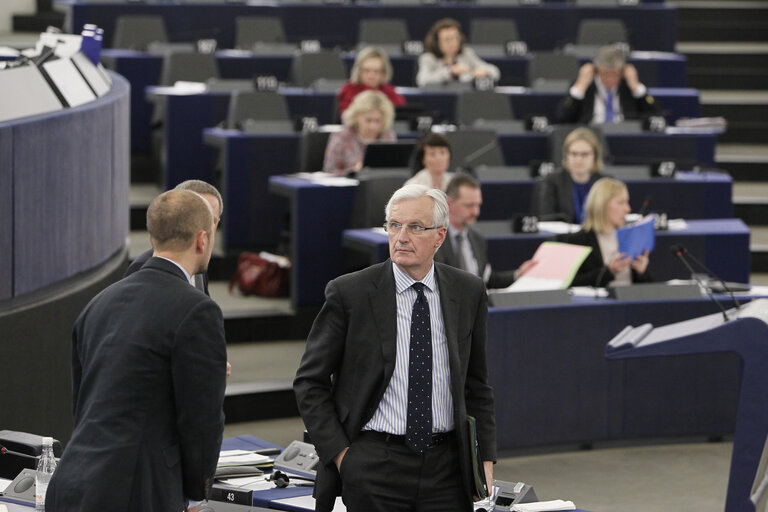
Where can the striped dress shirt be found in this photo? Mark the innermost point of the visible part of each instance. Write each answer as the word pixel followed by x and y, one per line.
pixel 390 416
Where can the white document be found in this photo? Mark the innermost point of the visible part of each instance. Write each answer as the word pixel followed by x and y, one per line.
pixel 242 458
pixel 542 506
pixel 308 503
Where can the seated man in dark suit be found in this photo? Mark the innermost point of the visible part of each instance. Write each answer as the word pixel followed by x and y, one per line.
pixel 148 378
pixel 464 247
pixel 607 90
pixel 213 197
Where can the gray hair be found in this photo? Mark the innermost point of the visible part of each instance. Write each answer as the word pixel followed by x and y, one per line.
pixel 439 203
pixel 202 187
pixel 610 56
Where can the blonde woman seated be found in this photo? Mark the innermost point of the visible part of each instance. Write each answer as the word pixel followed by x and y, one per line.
pixel 434 153
pixel 371 71
pixel 607 205
pixel 368 119
pixel 448 59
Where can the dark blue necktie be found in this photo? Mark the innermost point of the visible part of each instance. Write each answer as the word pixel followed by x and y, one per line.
pixel 609 114
pixel 418 427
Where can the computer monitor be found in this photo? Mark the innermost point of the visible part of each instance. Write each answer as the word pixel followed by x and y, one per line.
pixel 389 154
pixel 25 93
pixel 91 73
pixel 70 83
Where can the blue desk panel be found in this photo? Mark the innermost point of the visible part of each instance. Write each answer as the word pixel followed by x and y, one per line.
pixel 553 384
pixel 650 26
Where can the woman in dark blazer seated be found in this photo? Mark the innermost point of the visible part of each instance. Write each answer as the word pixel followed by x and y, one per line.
pixel 561 195
pixel 607 205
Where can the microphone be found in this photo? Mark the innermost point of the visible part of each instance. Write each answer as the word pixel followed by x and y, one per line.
pixel 703 266
pixel 644 207
pixel 678 250
pixel 4 450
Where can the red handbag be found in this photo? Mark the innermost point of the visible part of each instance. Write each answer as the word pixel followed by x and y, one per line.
pixel 262 274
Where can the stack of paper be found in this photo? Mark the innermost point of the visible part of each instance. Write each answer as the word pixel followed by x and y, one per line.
pixel 543 506
pixel 555 266
pixel 229 458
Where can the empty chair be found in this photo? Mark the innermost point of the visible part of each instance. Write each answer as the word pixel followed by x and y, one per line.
pixel 377 31
pixel 191 67
pixel 489 36
pixel 259 112
pixel 487 109
pixel 492 31
pixel 250 30
pixel 470 148
pixel 552 71
pixel 307 68
pixel 599 32
pixel 137 32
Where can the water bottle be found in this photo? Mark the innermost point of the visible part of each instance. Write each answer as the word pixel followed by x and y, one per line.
pixel 45 468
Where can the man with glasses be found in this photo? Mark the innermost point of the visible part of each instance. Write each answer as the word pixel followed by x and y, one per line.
pixel 607 90
pixel 395 362
pixel 464 247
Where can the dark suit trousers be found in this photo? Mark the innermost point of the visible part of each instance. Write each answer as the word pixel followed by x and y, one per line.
pixel 382 476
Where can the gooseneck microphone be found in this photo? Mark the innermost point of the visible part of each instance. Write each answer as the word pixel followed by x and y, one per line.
pixel 4 450
pixel 679 251
pixel 704 267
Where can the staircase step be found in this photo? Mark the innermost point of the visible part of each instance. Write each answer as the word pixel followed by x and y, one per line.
pixel 722 21
pixel 744 162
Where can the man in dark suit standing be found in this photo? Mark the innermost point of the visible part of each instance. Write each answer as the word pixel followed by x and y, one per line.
pixel 395 362
pixel 607 90
pixel 148 372
pixel 213 197
pixel 464 247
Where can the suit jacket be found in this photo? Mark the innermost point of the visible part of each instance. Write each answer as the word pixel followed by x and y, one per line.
pixel 572 110
pixel 201 280
pixel 593 272
pixel 447 254
pixel 350 359
pixel 553 196
pixel 148 374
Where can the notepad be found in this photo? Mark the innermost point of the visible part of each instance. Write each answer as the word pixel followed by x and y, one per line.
pixel 556 266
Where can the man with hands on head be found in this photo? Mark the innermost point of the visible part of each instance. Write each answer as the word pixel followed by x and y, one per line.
pixel 395 362
pixel 607 90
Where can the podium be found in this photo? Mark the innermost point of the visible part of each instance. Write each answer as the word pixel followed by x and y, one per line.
pixel 745 334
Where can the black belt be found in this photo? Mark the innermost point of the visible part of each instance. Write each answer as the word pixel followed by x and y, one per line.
pixel 437 437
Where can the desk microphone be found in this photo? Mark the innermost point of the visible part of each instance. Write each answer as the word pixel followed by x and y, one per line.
pixel 679 251
pixel 703 266
pixel 644 207
pixel 4 450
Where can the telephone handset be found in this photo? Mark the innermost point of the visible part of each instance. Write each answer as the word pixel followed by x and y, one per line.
pixel 512 493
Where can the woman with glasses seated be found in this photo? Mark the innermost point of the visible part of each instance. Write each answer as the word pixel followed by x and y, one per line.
pixel 368 119
pixel 606 208
pixel 561 195
pixel 371 71
pixel 433 152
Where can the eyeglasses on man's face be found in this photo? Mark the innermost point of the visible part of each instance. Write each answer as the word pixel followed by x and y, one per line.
pixel 394 228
